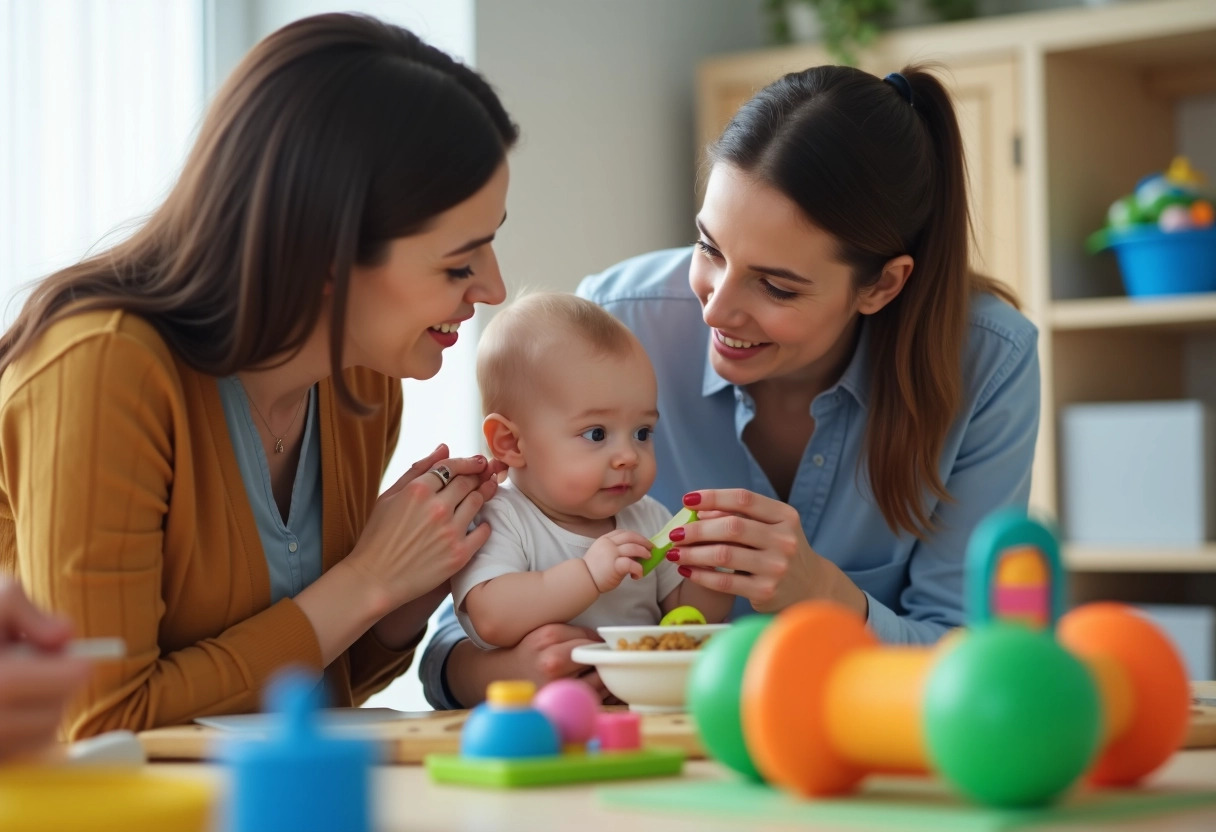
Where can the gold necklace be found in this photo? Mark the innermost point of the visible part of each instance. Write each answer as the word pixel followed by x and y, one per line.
pixel 278 440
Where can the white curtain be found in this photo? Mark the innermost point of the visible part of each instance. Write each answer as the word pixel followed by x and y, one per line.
pixel 99 103
pixel 99 100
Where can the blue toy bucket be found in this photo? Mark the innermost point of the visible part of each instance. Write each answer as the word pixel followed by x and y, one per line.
pixel 1155 262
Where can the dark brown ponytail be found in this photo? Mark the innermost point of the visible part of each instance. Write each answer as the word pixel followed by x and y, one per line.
pixel 885 176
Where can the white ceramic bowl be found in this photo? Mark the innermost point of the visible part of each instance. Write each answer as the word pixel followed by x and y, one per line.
pixel 649 681
pixel 634 634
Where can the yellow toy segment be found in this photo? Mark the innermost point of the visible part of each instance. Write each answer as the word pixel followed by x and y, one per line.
pixel 872 708
pixel 1022 566
pixel 1118 698
pixel 513 692
pixel 32 799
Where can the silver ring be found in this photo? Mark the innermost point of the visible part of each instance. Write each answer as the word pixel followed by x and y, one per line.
pixel 444 473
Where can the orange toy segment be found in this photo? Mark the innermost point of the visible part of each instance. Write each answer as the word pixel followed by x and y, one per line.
pixel 1160 695
pixel 1202 213
pixel 783 703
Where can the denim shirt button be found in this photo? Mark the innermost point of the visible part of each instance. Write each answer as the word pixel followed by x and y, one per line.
pixel 818 460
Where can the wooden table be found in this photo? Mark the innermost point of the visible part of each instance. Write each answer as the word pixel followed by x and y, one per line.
pixel 406 799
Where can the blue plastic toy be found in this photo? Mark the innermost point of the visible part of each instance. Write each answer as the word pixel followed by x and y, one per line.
pixel 506 725
pixel 298 778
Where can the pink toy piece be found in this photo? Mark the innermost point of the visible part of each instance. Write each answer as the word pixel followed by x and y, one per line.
pixel 1029 602
pixel 619 731
pixel 572 707
pixel 1175 218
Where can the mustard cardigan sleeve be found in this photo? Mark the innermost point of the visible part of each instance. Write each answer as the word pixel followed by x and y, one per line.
pixel 373 666
pixel 87 443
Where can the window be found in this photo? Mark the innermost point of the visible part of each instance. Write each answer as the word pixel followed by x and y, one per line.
pixel 99 100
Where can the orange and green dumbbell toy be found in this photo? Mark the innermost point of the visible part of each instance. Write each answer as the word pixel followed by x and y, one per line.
pixel 1011 712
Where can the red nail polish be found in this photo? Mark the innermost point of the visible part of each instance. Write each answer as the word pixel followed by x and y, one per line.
pixel 673 554
pixel 685 571
pixel 692 499
pixel 677 534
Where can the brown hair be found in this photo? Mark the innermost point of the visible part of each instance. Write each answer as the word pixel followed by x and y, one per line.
pixel 334 135
pixel 884 176
pixel 510 349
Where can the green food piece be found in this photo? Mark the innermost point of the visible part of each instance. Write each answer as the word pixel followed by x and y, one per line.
pixel 662 543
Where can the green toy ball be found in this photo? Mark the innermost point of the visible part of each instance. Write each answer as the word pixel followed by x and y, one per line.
pixel 714 687
pixel 1123 213
pixel 1011 717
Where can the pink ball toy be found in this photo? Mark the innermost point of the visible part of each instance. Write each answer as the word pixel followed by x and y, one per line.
pixel 571 706
pixel 1175 218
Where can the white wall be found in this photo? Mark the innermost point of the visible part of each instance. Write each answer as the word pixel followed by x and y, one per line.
pixel 236 25
pixel 98 104
pixel 604 95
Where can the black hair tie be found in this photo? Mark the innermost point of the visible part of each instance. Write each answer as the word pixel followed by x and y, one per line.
pixel 901 85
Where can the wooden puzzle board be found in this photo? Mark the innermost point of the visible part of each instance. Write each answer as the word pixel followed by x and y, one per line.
pixel 410 740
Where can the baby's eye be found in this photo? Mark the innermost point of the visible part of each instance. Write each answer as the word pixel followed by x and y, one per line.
pixel 643 434
pixel 595 435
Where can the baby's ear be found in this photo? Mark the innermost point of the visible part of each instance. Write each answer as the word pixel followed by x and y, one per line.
pixel 502 439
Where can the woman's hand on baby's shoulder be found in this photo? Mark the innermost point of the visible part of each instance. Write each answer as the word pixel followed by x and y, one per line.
pixel 421 530
pixel 616 556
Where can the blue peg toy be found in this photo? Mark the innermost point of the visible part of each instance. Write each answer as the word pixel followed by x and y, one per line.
pixel 298 777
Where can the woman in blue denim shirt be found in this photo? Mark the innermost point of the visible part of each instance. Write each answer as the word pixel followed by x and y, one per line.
pixel 838 389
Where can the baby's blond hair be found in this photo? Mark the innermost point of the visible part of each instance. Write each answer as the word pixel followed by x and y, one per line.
pixel 512 345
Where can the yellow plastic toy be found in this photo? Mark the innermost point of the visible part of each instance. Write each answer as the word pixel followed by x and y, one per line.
pixel 85 799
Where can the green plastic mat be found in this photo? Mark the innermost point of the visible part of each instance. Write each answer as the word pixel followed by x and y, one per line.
pixel 550 771
pixel 908 806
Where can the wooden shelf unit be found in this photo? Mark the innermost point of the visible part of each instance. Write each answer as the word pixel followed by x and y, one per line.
pixel 1184 313
pixel 1086 558
pixel 1062 112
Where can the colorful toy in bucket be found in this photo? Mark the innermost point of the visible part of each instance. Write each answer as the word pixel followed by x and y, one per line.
pixel 1011 712
pixel 1163 234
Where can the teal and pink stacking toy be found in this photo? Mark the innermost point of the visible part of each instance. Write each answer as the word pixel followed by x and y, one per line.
pixel 1012 712
pixel 520 737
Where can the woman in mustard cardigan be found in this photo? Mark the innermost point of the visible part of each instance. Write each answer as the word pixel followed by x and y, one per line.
pixel 194 424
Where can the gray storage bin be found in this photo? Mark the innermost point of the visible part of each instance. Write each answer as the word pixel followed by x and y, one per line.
pixel 1139 473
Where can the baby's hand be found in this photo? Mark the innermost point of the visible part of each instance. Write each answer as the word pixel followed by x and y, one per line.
pixel 615 556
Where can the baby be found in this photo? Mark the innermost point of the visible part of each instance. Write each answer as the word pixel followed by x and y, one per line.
pixel 570 400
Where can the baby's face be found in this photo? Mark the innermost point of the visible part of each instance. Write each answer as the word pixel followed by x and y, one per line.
pixel 587 437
